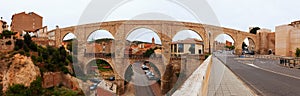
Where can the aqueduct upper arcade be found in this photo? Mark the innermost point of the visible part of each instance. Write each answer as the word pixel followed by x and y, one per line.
pixel 166 30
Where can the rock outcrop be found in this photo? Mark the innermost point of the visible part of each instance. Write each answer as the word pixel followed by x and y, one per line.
pixel 51 79
pixel 21 71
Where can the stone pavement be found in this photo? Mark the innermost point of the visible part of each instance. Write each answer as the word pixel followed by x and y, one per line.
pixel 224 83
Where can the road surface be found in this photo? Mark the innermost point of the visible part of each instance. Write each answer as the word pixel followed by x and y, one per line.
pixel 141 82
pixel 262 80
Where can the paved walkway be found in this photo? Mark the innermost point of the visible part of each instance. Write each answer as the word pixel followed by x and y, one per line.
pixel 224 83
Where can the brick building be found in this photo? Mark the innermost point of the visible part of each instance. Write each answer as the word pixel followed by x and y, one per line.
pixel 26 21
pixel 3 25
pixel 287 39
pixel 228 43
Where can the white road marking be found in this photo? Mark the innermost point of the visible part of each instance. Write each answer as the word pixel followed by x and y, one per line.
pixel 254 66
pixel 273 71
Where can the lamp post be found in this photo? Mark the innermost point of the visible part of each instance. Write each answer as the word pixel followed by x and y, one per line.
pixel 209 49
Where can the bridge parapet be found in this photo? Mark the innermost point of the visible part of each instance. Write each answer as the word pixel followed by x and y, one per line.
pixel 197 83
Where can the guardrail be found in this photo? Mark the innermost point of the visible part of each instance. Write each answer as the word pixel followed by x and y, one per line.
pixel 285 61
pixel 265 56
pixel 197 83
pixel 132 56
pixel 290 61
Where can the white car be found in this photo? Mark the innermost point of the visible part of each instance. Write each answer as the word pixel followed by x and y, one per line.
pixel 146 71
pixel 94 86
pixel 150 73
pixel 144 67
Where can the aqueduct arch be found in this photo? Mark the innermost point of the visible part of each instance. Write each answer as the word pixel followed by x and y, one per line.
pixel 164 29
pixel 94 59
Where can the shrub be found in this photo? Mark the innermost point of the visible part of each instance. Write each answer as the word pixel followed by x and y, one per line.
pixel 19 44
pixel 40 59
pixel 297 52
pixel 8 43
pixel 22 52
pixel 206 56
pixel 27 54
pixel 17 90
pixel 33 47
pixel 34 59
pixel 26 49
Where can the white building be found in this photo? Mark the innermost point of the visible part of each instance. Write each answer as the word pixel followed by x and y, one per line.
pixel 187 46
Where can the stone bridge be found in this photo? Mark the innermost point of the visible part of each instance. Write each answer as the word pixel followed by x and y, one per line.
pixel 166 30
pixel 186 64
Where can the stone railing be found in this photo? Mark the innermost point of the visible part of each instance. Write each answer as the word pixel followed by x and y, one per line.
pixel 285 61
pixel 197 83
pixel 264 56
pixel 131 56
pixel 289 61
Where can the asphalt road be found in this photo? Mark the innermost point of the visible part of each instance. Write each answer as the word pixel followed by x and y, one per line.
pixel 141 82
pixel 263 82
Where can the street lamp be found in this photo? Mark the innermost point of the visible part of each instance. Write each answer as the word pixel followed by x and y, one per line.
pixel 209 49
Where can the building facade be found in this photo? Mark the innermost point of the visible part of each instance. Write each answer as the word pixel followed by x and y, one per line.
pixel 3 25
pixel 187 46
pixel 287 39
pixel 26 22
pixel 267 41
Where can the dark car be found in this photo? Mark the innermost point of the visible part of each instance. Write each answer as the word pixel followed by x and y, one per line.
pixel 112 78
pixel 95 80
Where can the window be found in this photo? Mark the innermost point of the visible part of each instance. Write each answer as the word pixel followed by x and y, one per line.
pixel 175 47
pixel 192 49
pixel 180 48
pixel 172 48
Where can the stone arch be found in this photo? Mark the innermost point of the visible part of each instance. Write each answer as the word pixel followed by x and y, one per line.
pixel 99 30
pixel 143 27
pixel 67 34
pixel 214 46
pixel 105 46
pixel 197 28
pixel 230 35
pixel 187 35
pixel 106 60
pixel 191 30
pixel 253 40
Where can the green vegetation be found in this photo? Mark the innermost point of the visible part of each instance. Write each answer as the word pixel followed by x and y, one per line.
pixel 103 66
pixel 72 46
pixel 35 89
pixel 48 59
pixel 7 34
pixel 230 47
pixel 149 52
pixel 297 52
pixel 254 30
pixel 207 55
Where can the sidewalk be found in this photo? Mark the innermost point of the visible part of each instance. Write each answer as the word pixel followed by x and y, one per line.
pixel 224 83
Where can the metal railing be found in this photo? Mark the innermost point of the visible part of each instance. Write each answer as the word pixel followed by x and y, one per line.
pixel 132 56
pixel 285 61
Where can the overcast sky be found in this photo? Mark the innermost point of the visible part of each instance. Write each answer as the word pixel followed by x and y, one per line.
pixel 236 14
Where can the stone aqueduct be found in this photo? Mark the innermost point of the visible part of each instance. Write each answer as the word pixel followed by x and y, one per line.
pixel 166 30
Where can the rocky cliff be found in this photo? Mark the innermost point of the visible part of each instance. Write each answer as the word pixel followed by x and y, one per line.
pixel 20 71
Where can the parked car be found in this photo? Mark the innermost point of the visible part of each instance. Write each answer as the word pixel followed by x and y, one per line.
pixel 94 86
pixel 144 67
pixel 146 71
pixel 150 73
pixel 151 77
pixel 95 80
pixel 112 78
